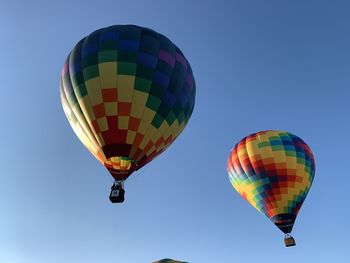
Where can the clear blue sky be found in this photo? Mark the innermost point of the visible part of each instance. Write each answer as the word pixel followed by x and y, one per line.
pixel 258 65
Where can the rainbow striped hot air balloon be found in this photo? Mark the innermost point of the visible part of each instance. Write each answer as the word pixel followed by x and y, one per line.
pixel 273 171
pixel 128 92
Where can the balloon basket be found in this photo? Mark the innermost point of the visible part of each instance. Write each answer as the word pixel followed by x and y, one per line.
pixel 289 241
pixel 117 193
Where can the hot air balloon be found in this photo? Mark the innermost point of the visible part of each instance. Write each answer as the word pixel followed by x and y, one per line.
pixel 273 171
pixel 128 92
pixel 168 260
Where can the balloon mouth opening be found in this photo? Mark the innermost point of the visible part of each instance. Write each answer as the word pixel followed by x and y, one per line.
pixel 284 222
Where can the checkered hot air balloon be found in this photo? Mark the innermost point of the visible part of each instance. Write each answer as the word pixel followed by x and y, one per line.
pixel 273 171
pixel 128 92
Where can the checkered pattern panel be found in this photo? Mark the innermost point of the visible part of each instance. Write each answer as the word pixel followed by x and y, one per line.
pixel 122 164
pixel 131 91
pixel 273 171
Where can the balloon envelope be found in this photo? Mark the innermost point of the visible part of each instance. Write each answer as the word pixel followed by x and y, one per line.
pixel 128 92
pixel 273 171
